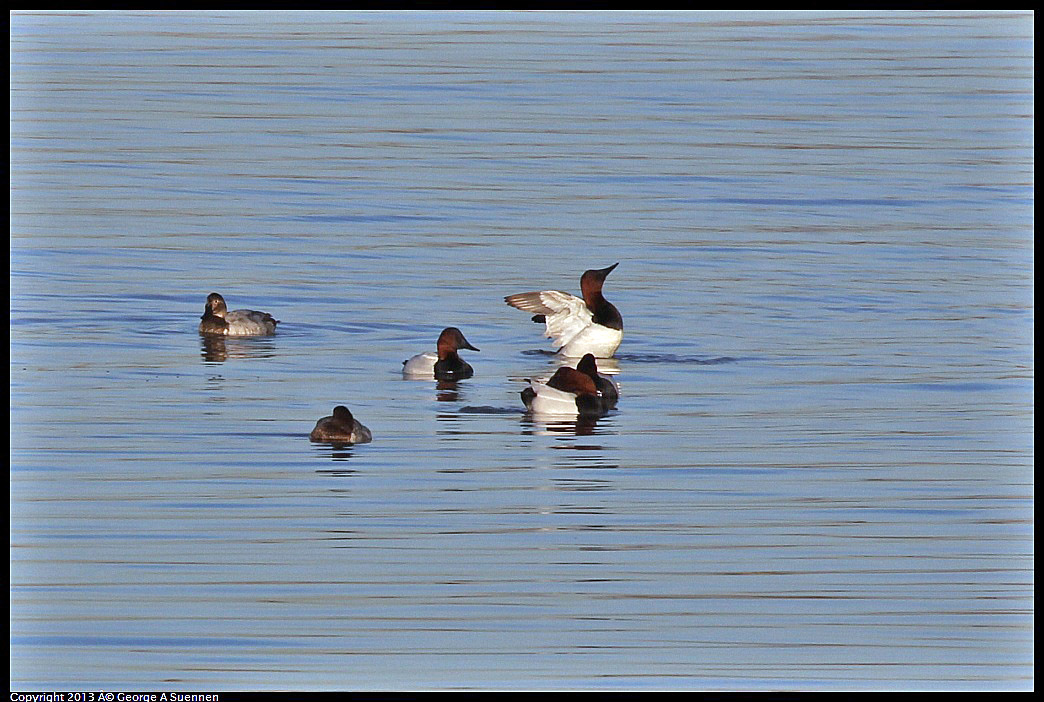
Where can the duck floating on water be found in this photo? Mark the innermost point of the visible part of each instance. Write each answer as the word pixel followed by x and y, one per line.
pixel 217 319
pixel 445 363
pixel 578 326
pixel 341 427
pixel 579 391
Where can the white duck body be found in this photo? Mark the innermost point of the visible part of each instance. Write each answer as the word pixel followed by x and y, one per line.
pixel 249 323
pixel 549 400
pixel 421 365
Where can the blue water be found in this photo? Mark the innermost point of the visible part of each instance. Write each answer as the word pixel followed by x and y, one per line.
pixel 818 476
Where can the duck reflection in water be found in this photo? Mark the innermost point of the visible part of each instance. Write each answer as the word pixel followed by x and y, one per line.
pixel 338 453
pixel 218 349
pixel 448 391
pixel 582 425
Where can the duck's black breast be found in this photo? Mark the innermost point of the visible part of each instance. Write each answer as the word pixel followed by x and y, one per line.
pixel 453 368
pixel 212 324
pixel 606 314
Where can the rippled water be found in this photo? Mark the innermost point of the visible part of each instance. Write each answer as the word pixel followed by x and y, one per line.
pixel 819 474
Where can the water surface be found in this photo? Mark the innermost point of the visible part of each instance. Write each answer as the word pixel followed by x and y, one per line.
pixel 819 474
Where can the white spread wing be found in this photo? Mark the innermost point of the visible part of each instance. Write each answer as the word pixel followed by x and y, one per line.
pixel 565 315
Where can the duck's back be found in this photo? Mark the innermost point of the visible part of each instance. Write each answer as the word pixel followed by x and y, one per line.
pixel 329 429
pixel 423 364
pixel 250 323
pixel 544 399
